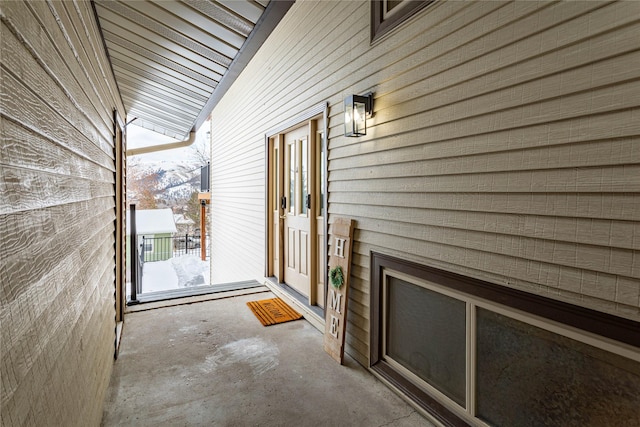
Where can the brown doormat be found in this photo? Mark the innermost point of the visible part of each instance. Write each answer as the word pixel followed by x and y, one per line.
pixel 272 311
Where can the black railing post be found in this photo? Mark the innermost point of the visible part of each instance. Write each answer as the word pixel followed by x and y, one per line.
pixel 141 262
pixel 133 259
pixel 143 255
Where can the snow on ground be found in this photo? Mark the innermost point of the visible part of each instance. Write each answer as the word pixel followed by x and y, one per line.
pixel 158 276
pixel 175 273
pixel 191 270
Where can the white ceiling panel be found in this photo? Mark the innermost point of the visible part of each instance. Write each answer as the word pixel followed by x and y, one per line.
pixel 174 59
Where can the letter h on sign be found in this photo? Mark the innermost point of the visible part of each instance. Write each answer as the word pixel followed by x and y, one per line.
pixel 339 252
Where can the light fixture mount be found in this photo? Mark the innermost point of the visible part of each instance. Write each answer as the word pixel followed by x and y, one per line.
pixel 356 110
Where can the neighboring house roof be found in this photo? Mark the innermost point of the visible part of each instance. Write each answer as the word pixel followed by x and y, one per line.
pixel 152 221
pixel 180 219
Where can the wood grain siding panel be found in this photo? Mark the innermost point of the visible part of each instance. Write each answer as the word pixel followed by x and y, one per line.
pixel 50 53
pixel 504 144
pixel 57 210
pixel 34 114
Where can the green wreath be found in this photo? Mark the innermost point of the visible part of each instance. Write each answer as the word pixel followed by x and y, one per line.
pixel 337 277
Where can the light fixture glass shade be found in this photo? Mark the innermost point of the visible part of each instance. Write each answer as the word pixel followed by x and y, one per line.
pixel 355 115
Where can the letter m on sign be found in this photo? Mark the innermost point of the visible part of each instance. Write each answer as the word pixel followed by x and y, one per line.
pixel 335 299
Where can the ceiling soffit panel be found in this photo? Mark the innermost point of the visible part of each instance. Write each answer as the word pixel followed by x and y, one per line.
pixel 169 57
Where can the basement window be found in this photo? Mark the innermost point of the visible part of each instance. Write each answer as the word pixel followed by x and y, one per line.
pixel 386 15
pixel 475 353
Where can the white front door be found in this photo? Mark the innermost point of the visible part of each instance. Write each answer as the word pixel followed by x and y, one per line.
pixel 296 209
pixel 297 218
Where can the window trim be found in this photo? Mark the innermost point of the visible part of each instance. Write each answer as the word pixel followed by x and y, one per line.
pixel 380 26
pixel 469 373
pixel 608 332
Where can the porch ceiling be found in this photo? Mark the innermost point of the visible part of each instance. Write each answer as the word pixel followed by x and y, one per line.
pixel 174 59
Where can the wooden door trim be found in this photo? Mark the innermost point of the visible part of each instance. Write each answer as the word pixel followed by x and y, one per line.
pixel 273 205
pixel 120 197
pixel 321 109
pixel 120 154
pixel 313 212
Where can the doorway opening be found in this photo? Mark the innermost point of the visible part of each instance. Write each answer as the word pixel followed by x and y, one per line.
pixel 296 208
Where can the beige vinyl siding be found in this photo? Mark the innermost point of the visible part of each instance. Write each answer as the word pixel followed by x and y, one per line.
pixel 238 197
pixel 57 213
pixel 260 101
pixel 504 145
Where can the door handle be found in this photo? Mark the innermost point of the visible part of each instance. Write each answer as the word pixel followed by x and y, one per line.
pixel 308 201
pixel 283 202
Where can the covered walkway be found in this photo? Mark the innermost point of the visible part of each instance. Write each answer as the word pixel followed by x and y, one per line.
pixel 212 363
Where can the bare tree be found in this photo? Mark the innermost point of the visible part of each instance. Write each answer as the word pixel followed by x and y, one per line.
pixel 143 188
pixel 192 210
pixel 201 149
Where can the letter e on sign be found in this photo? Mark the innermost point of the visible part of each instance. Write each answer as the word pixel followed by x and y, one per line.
pixel 333 328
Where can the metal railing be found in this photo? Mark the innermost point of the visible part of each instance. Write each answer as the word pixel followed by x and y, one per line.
pixel 139 269
pixel 144 249
pixel 134 256
pixel 163 248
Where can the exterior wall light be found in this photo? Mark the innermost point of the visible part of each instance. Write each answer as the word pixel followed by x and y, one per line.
pixel 356 110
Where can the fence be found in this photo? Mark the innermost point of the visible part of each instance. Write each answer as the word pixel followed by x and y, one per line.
pixel 163 248
pixel 153 249
pixel 139 270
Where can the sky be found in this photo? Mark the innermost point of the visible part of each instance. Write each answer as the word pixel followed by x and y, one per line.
pixel 141 137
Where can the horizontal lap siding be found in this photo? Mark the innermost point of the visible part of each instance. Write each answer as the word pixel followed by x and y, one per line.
pixel 238 214
pixel 57 213
pixel 265 95
pixel 505 143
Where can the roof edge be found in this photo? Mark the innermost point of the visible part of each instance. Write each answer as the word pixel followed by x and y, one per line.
pixel 271 17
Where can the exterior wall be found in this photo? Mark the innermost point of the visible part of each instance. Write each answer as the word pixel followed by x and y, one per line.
pixel 162 249
pixel 57 212
pixel 504 146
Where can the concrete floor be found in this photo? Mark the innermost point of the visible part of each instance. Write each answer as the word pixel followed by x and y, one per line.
pixel 213 364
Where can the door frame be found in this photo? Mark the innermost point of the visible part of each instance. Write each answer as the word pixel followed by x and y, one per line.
pixel 120 184
pixel 317 111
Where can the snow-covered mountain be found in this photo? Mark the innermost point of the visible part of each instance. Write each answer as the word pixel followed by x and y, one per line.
pixel 175 180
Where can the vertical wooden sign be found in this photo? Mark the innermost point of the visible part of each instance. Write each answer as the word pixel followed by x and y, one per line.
pixel 340 248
